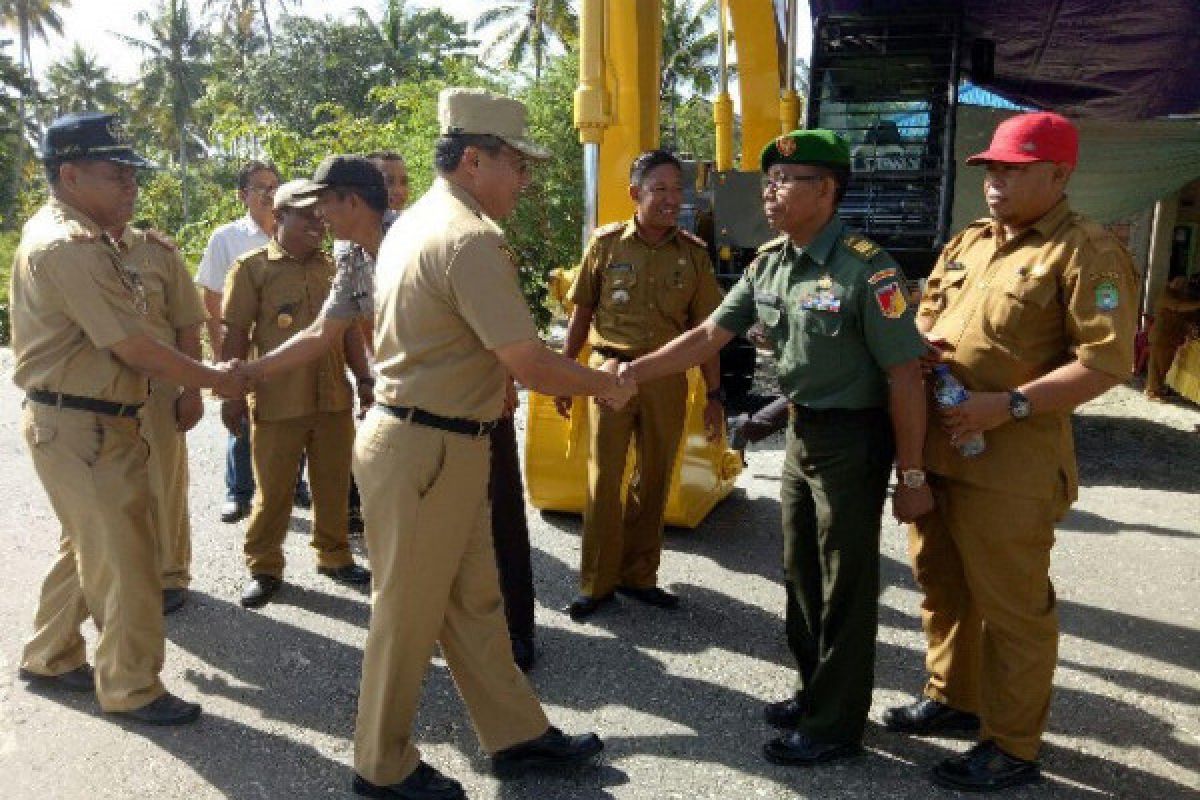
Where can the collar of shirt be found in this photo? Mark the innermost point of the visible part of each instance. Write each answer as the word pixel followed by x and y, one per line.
pixel 821 247
pixel 276 252
pixel 1044 227
pixel 72 214
pixel 460 194
pixel 251 226
pixel 633 230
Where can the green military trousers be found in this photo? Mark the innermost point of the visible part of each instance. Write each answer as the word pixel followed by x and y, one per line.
pixel 835 477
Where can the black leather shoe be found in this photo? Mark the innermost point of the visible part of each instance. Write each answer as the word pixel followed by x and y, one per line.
pixel 651 596
pixel 302 497
pixel 524 653
pixel 928 716
pixel 985 768
pixel 784 714
pixel 173 600
pixel 80 679
pixel 354 522
pixel 234 510
pixel 260 590
pixel 425 783
pixel 350 574
pixel 166 709
pixel 798 749
pixel 584 606
pixel 552 749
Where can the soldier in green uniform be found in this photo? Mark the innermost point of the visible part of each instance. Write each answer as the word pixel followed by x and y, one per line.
pixel 841 326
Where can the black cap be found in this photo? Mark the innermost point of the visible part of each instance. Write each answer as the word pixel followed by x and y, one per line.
pixel 90 136
pixel 345 171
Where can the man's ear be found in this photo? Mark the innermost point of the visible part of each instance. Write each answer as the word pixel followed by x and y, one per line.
pixel 635 192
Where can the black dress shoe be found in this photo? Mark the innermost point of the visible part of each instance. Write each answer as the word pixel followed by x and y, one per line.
pixel 784 714
pixel 552 749
pixel 350 574
pixel 797 749
pixel 985 768
pixel 173 600
pixel 524 653
pixel 234 510
pixel 166 709
pixel 928 716
pixel 584 606
pixel 354 522
pixel 651 596
pixel 259 591
pixel 425 783
pixel 80 679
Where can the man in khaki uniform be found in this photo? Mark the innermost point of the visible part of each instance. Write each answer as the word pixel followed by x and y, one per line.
pixel 270 294
pixel 1177 312
pixel 174 317
pixel 1033 310
pixel 641 284
pixel 83 353
pixel 450 326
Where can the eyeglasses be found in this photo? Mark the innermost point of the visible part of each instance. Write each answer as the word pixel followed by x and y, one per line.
pixel 774 182
pixel 265 191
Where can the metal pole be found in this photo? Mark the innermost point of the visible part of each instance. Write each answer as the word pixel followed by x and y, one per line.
pixel 591 188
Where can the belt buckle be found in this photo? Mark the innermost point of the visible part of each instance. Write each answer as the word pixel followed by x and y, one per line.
pixel 482 431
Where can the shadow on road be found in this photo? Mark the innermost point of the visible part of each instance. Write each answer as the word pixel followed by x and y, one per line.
pixel 1135 452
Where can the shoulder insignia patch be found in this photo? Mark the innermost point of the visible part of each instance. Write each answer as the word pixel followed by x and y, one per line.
pixel 891 300
pixel 861 246
pixel 883 274
pixel 773 244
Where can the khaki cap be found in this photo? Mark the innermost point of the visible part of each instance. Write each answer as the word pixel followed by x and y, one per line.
pixel 300 193
pixel 482 112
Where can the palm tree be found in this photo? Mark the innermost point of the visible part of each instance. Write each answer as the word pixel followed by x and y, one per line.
pixel 415 43
pixel 79 82
pixel 30 18
pixel 240 15
pixel 527 30
pixel 173 71
pixel 689 52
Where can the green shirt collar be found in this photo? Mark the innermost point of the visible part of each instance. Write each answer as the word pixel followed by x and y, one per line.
pixel 821 247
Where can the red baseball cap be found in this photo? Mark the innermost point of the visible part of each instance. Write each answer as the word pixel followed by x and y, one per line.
pixel 1026 138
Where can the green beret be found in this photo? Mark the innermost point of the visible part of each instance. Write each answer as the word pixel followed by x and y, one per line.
pixel 816 146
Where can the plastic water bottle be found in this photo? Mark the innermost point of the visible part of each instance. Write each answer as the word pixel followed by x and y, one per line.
pixel 950 392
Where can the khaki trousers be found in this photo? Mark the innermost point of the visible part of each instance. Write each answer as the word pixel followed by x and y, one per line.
pixel 434 579
pixel 168 469
pixel 982 559
pixel 622 541
pixel 276 447
pixel 93 468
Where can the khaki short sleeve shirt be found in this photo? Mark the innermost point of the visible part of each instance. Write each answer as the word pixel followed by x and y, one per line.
pixel 643 295
pixel 274 296
pixel 1013 310
pixel 172 301
pixel 447 295
pixel 72 299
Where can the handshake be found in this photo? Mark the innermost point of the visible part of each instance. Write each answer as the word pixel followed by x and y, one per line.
pixel 623 389
pixel 234 378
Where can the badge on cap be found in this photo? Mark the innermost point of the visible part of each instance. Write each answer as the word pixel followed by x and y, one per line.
pixel 890 300
pixel 1107 296
pixel 117 131
pixel 786 146
pixel 1029 147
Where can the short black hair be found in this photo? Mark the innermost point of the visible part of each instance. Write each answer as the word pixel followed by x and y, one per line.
pixel 385 155
pixel 376 197
pixel 250 167
pixel 841 179
pixel 648 161
pixel 449 148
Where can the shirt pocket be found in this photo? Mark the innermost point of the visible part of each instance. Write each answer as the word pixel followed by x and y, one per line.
pixel 1018 299
pixel 676 291
pixel 617 292
pixel 822 323
pixel 774 321
pixel 949 288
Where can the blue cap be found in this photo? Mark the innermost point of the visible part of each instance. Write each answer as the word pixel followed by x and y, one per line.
pixel 90 136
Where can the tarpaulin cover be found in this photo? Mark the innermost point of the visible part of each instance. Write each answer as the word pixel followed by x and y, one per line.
pixel 1108 59
pixel 1124 167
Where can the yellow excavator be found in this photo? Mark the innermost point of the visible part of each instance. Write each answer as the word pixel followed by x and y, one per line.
pixel 617 114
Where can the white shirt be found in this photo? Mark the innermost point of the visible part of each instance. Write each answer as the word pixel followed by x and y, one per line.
pixel 227 244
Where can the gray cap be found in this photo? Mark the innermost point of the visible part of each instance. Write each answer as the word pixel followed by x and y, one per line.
pixel 482 112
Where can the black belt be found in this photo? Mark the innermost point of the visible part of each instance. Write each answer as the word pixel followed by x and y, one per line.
pixel 83 403
pixel 609 352
pixel 468 427
pixel 832 415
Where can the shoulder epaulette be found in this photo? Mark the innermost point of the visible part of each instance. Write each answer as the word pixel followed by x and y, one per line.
pixel 688 236
pixel 982 222
pixel 861 246
pixel 609 229
pixel 773 244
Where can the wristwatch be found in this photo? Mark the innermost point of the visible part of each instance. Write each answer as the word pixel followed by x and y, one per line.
pixel 912 478
pixel 1018 405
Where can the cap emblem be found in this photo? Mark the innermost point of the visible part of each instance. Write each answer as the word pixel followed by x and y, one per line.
pixel 117 131
pixel 786 146
pixel 1029 147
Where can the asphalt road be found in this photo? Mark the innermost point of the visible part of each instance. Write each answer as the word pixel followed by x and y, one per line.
pixel 676 696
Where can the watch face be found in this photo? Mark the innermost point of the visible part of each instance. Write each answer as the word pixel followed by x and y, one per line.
pixel 1018 405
